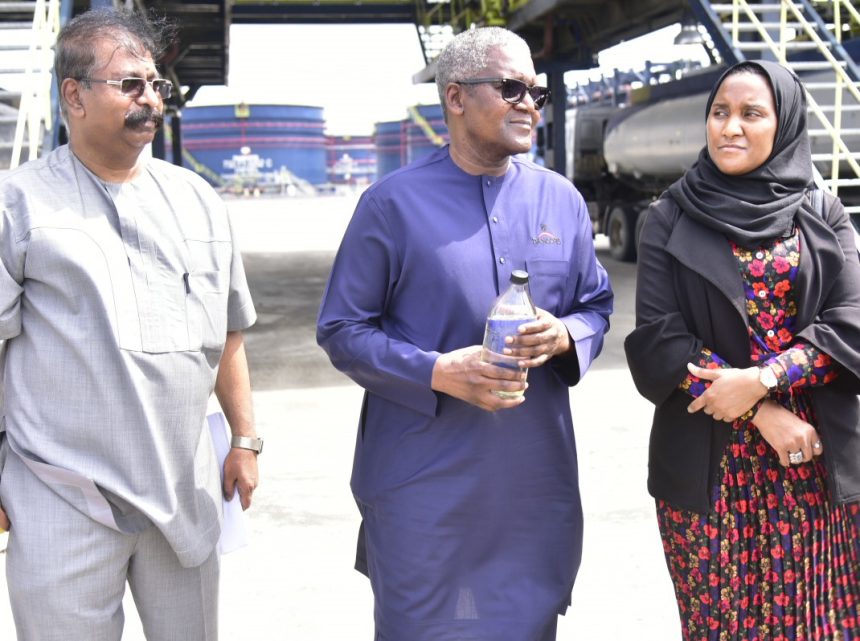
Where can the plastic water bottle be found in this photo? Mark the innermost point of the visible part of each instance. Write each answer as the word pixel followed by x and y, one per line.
pixel 513 308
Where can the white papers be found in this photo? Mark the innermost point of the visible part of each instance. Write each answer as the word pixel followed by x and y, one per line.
pixel 234 527
pixel 98 508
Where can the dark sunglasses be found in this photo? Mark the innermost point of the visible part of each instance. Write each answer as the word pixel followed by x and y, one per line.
pixel 513 91
pixel 134 87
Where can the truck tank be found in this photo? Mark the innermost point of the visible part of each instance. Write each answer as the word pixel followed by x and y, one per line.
pixel 652 146
pixel 649 146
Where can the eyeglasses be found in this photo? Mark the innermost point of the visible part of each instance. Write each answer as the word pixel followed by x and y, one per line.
pixel 134 87
pixel 513 91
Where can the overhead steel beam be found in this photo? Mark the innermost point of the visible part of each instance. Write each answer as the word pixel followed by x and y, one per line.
pixel 532 12
pixel 324 12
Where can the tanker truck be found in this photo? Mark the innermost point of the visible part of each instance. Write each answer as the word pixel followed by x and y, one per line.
pixel 621 158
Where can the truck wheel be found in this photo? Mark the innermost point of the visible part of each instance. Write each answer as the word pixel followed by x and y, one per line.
pixel 621 229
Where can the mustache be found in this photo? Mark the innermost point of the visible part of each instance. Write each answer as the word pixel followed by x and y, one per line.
pixel 145 114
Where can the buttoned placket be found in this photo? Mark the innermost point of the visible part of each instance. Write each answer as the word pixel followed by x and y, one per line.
pixel 499 229
pixel 159 287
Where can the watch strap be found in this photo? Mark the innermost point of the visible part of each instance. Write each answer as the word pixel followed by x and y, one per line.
pixel 247 443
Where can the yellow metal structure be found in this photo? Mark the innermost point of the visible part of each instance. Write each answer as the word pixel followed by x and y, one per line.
pixel 421 121
pixel 320 2
pixel 793 28
pixel 200 168
pixel 35 105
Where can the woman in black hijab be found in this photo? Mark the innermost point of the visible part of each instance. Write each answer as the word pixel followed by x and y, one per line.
pixel 747 341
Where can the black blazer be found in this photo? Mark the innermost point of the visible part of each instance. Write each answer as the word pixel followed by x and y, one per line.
pixel 689 295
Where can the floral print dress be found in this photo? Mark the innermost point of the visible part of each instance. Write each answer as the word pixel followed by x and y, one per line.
pixel 773 559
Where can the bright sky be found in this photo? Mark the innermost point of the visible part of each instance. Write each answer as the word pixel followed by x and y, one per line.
pixel 362 74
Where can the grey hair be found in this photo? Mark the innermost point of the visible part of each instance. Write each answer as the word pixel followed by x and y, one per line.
pixel 136 33
pixel 469 53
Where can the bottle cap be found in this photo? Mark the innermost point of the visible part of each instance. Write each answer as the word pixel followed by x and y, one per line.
pixel 519 277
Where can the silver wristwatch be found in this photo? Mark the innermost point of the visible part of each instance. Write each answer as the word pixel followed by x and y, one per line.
pixel 767 377
pixel 247 443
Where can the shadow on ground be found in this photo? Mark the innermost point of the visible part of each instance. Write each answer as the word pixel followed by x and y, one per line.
pixel 282 348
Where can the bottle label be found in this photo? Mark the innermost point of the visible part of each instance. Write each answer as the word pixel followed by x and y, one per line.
pixel 498 329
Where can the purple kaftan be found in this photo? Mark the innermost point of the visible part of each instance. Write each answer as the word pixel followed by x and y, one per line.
pixel 472 519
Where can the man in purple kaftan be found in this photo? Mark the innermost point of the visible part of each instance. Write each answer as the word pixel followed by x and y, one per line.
pixel 472 522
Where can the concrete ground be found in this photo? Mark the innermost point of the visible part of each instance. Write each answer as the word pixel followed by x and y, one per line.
pixel 295 580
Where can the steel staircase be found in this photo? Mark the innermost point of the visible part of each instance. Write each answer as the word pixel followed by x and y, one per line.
pixel 806 36
pixel 27 113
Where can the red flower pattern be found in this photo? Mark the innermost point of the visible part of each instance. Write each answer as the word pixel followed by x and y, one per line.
pixel 781 288
pixel 756 268
pixel 781 264
pixel 773 559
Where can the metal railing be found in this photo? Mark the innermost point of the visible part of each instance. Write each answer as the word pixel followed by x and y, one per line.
pixel 838 6
pixel 793 24
pixel 35 106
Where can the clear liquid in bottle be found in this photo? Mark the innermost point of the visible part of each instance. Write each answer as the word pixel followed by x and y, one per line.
pixel 513 308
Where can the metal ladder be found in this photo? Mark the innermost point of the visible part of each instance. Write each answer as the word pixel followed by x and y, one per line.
pixel 28 31
pixel 794 33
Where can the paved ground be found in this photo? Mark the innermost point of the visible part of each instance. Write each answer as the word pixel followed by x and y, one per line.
pixel 295 582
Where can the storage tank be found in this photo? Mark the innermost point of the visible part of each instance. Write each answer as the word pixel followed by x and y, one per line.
pixel 350 160
pixel 400 142
pixel 255 145
pixel 390 142
pixel 425 131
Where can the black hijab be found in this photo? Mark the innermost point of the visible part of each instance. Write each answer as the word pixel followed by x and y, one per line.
pixel 760 205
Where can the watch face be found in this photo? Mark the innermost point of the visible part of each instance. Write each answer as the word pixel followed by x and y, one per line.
pixel 767 378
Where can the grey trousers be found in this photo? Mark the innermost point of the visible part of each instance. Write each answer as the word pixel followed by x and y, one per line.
pixel 66 573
